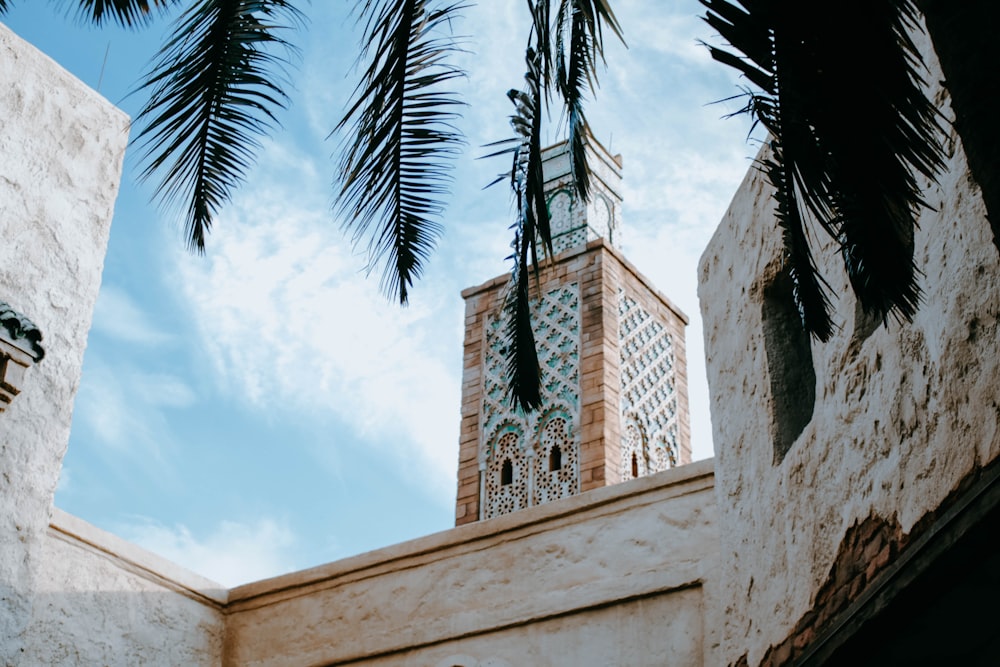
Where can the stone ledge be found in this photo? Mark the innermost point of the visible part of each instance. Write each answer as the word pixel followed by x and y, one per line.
pixel 675 482
pixel 135 559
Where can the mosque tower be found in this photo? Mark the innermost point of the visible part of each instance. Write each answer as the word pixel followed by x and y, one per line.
pixel 611 350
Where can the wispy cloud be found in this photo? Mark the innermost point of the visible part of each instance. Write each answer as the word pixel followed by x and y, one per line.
pixel 123 411
pixel 292 324
pixel 117 315
pixel 233 553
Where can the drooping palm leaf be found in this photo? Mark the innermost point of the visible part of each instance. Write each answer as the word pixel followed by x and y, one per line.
pixel 213 91
pixel 4 6
pixel 573 42
pixel 531 227
pixel 129 13
pixel 841 95
pixel 579 42
pixel 396 164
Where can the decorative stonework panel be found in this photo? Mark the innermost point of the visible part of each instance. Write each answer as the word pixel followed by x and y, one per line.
pixel 635 449
pixel 556 468
pixel 556 319
pixel 506 492
pixel 569 222
pixel 648 387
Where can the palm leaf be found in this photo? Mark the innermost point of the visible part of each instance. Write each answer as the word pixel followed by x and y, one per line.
pixel 214 89
pixel 851 125
pixel 397 163
pixel 129 13
pixel 579 42
pixel 573 42
pixel 531 227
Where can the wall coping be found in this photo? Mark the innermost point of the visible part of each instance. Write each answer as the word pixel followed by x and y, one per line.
pixel 133 558
pixel 680 481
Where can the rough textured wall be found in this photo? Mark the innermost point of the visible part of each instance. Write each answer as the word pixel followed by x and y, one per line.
pixel 61 147
pixel 102 601
pixel 891 421
pixel 622 575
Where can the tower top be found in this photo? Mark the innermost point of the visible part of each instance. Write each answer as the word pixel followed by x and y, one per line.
pixel 573 223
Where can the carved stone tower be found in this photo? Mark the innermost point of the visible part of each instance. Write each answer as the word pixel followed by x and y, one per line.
pixel 611 349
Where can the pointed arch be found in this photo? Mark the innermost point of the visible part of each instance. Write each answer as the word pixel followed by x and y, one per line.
pixel 555 441
pixel 505 477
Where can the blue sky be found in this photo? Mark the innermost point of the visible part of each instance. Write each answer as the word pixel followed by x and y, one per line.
pixel 263 408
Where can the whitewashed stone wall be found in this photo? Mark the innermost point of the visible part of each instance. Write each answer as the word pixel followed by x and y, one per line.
pixel 61 147
pixel 99 600
pixel 622 575
pixel 901 414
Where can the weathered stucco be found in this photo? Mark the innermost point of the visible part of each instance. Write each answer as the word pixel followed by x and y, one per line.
pixel 622 575
pixel 61 147
pixel 901 413
pixel 99 600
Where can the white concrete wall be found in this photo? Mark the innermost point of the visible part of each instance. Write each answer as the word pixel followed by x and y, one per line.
pixel 623 575
pixel 99 600
pixel 899 419
pixel 61 147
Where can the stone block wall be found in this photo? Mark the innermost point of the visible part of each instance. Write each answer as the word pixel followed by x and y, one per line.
pixel 828 456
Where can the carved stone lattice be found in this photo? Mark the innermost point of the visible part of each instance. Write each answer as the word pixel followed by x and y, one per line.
pixel 556 320
pixel 634 448
pixel 648 386
pixel 503 498
pixel 569 222
pixel 556 467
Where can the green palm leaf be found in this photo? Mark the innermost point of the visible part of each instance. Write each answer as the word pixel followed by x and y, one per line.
pixel 531 227
pixel 579 42
pixel 396 165
pixel 842 97
pixel 127 13
pixel 213 91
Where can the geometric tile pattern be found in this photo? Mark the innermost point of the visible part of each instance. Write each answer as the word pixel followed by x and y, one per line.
pixel 556 322
pixel 648 390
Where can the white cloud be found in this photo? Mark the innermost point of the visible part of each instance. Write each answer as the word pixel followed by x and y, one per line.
pixel 292 324
pixel 233 553
pixel 118 316
pixel 125 412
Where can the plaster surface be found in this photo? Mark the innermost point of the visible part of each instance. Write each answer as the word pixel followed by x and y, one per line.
pixel 61 148
pixel 625 571
pixel 99 600
pixel 901 413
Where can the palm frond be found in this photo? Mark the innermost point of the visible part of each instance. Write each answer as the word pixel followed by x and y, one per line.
pixel 397 164
pixel 214 90
pixel 128 13
pixel 524 377
pixel 531 227
pixel 579 43
pixel 4 6
pixel 852 126
pixel 573 41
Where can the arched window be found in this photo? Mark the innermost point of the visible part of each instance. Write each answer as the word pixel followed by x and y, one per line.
pixel 555 458
pixel 506 473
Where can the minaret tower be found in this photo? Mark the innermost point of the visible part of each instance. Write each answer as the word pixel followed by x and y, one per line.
pixel 611 349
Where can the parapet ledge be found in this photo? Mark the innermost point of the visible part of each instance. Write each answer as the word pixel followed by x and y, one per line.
pixel 693 478
pixel 135 559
